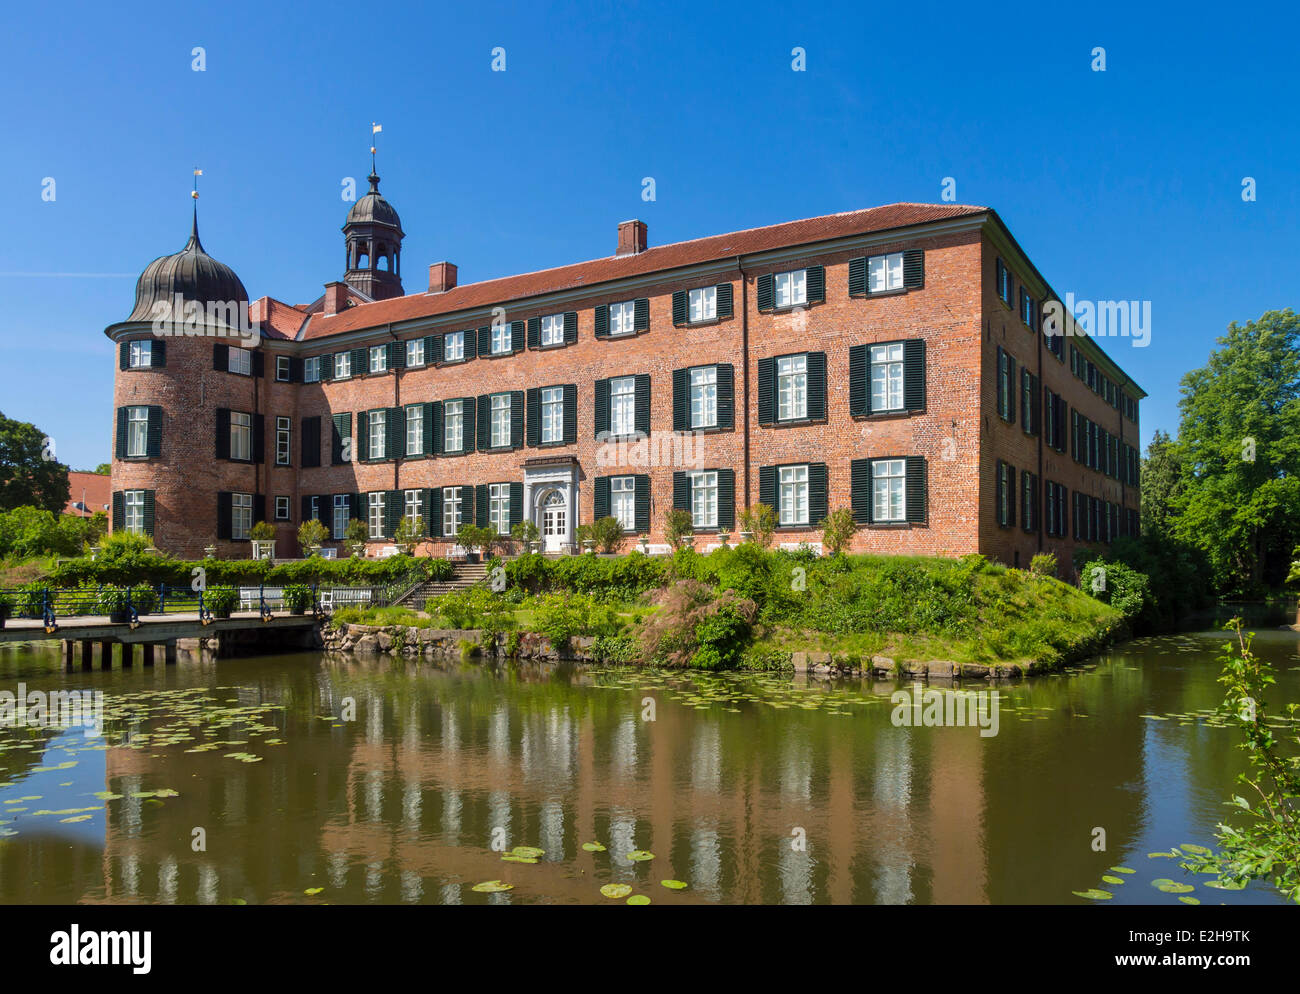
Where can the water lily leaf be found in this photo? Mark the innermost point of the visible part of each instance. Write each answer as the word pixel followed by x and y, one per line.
pixel 1121 869
pixel 76 818
pixel 1093 894
pixel 511 858
pixel 1194 849
pixel 312 891
pixel 640 855
pixel 638 899
pixel 1189 900
pixel 615 891
pixel 1162 855
pixel 1171 887
pixel 1107 878
pixel 674 884
pixel 495 887
pixel 528 852
pixel 593 847
pixel 1226 884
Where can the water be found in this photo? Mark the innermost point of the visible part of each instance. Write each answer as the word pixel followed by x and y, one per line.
pixel 403 804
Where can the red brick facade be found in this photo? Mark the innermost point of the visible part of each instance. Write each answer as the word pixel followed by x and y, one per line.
pixel 957 312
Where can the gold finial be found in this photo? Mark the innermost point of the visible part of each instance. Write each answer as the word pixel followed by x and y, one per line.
pixel 195 192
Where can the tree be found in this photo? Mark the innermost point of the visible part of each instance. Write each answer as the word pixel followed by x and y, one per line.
pixel 1238 497
pixel 29 475
pixel 1161 484
pixel 104 469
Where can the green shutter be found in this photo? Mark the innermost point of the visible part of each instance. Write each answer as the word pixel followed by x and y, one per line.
pixel 433 428
pixel 121 434
pixel 221 358
pixel 914 269
pixel 427 429
pixel 394 509
pixel 765 292
pixel 815 284
pixel 154 439
pixel 767 391
pixel 484 341
pixel 395 425
pixel 818 494
pixel 223 433
pixel 860 490
pixel 570 327
pixel 469 423
pixel 224 515
pixel 726 499
pixel 642 412
pixel 517 335
pixel 641 497
pixel 397 355
pixel 601 419
pixel 602 320
pixel 534 333
pixel 433 527
pixel 859 394
pixel 681 491
pixel 123 355
pixel 916 493
pixel 119 510
pixel 484 421
pixel 641 314
pixel 726 396
pixel 724 301
pixel 516 503
pixel 681 314
pixel 534 418
pixel 767 486
pixel 600 491
pixel 516 419
pixel 681 400
pixel 361 446
pixel 816 386
pixel 858 277
pixel 914 374
pixel 259 438
pixel 570 413
pixel 340 440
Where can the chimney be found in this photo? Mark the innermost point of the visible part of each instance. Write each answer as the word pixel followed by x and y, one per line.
pixel 336 296
pixel 631 237
pixel 442 277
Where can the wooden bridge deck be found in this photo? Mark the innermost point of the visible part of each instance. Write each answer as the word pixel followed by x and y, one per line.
pixel 153 627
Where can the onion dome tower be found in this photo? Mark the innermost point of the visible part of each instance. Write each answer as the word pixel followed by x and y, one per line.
pixel 373 233
pixel 190 275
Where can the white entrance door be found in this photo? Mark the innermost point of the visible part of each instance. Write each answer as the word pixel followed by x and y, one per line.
pixel 554 521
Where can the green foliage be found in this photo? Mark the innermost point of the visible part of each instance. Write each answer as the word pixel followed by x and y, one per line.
pixel 760 520
pixel 1178 574
pixel 837 530
pixel 476 607
pixel 476 539
pixel 262 531
pixel 297 596
pixel 620 648
pixel 609 580
pixel 103 469
pixel 409 533
pixel 607 533
pixel 524 532
pixel 7 603
pixel 144 598
pixel 27 532
pixel 1043 564
pixel 1267 846
pixel 121 562
pixel 677 524
pixel 394 616
pixel 221 600
pixel 1118 585
pixel 560 617
pixel 29 476
pixel 311 534
pixel 356 534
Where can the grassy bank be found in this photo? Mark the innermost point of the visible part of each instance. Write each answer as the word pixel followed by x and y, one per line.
pixel 749 607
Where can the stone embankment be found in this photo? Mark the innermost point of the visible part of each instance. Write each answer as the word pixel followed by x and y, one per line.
pixel 446 643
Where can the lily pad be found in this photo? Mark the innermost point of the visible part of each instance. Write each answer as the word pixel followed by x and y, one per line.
pixel 495 887
pixel 1108 879
pixel 312 891
pixel 674 884
pixel 640 855
pixel 1093 894
pixel 511 858
pixel 616 891
pixel 1189 900
pixel 1171 887
pixel 593 847
pixel 1162 855
pixel 1226 884
pixel 528 852
pixel 638 899
pixel 1121 869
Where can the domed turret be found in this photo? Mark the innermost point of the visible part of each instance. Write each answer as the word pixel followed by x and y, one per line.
pixel 373 233
pixel 191 274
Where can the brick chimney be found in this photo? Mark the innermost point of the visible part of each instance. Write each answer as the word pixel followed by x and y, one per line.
pixel 631 237
pixel 442 277
pixel 336 297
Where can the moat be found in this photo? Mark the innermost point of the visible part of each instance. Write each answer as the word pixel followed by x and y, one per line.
pixel 748 789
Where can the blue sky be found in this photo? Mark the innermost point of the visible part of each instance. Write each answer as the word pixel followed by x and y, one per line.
pixel 1124 184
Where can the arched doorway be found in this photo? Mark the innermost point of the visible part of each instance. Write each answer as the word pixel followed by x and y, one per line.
pixel 553 520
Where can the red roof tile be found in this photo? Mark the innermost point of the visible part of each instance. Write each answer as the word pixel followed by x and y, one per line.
pixel 278 320
pixel 92 489
pixel 656 259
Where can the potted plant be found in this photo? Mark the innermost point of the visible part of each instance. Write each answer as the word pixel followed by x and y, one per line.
pixel 645 544
pixel 144 598
pixel 297 598
pixel 220 600
pixel 723 538
pixel 678 524
pixel 607 533
pixel 112 602
pixel 408 534
pixel 526 533
pixel 263 536
pixel 586 538
pixel 311 536
pixel 355 536
pixel 746 536
pixel 6 608
pixel 473 540
pixel 209 552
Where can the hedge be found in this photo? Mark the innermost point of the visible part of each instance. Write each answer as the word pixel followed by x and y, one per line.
pixel 246 572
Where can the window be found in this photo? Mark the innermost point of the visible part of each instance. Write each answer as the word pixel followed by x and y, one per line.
pixel 552 415
pixel 552 330
pixel 1028 396
pixel 885 272
pixel 887 377
pixel 1006 495
pixel 792 499
pixel 282 509
pixel 1028 501
pixel 241 514
pixel 342 514
pixel 415 352
pixel 451 510
pixel 704 499
pixel 704 397
pixel 1004 282
pixel 282 368
pixel 241 436
pixel 502 341
pixel 376 506
pixel 282 440
pixel 499 507
pixel 453 347
pixel 240 361
pixel 415 430
pixel 791 289
pixel 342 365
pixel 1006 386
pixel 137 435
pixel 134 502
pixel 313 509
pixel 311 369
pixel 140 357
pixel 622 501
pixel 703 304
pixel 500 423
pixel 622 318
pixel 414 506
pixel 622 405
pixel 378 358
pixel 889 490
pixel 792 388
pixel 1026 308
pixel 453 428
pixel 378 434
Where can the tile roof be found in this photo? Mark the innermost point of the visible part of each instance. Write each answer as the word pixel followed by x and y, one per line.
pixel 97 490
pixel 655 259
pixel 278 320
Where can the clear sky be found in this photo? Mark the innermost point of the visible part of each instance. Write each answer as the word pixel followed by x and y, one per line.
pixel 1123 184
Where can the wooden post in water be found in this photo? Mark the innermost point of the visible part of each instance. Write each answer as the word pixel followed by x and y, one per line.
pixel 146 653
pixel 87 650
pixel 68 654
pixel 105 654
pixel 128 655
pixel 169 653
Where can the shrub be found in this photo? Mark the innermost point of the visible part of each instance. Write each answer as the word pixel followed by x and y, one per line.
pixel 677 524
pixel 607 534
pixel 621 648
pixel 297 597
pixel 263 531
pixel 761 521
pixel 144 598
pixel 837 529
pixel 311 534
pixel 562 616
pixel 476 607
pixel 1044 564
pixel 746 569
pixel 220 600
pixel 111 600
pixel 1118 585
pixel 524 532
pixel 472 538
pixel 356 535
pixel 408 533
pixel 696 627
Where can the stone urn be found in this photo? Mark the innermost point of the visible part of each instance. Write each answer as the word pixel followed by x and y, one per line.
pixel 688 541
pixel 723 537
pixel 645 544
pixel 589 546
pixel 210 552
pixel 747 536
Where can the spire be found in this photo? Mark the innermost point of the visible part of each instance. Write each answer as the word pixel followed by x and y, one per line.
pixel 194 242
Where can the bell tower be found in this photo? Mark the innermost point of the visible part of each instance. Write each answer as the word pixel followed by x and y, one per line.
pixel 373 235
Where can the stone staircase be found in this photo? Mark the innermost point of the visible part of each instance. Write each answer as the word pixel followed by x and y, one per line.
pixel 465 575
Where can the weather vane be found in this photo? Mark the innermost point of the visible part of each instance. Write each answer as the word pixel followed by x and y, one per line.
pixel 374 130
pixel 195 192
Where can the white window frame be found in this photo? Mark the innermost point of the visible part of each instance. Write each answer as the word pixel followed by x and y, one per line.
pixel 453 415
pixel 241 436
pixel 414 353
pixel 137 432
pixel 378 359
pixel 499 507
pixel 452 508
pixel 376 509
pixel 502 338
pixel 552 406
pixel 283 440
pixel 792 387
pixel 415 430
pixel 622 501
pixel 241 516
pixel 499 420
pixel 239 361
pixel 702 304
pixel 792 496
pixel 552 330
pixel 343 507
pixel 140 355
pixel 342 365
pixel 453 347
pixel 622 405
pixel 282 369
pixel 704 498
pixel 281 503
pixel 889 490
pixel 885 272
pixel 311 369
pixel 414 505
pixel 886 373
pixel 133 504
pixel 703 386
pixel 790 289
pixel 622 318
pixel 377 436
